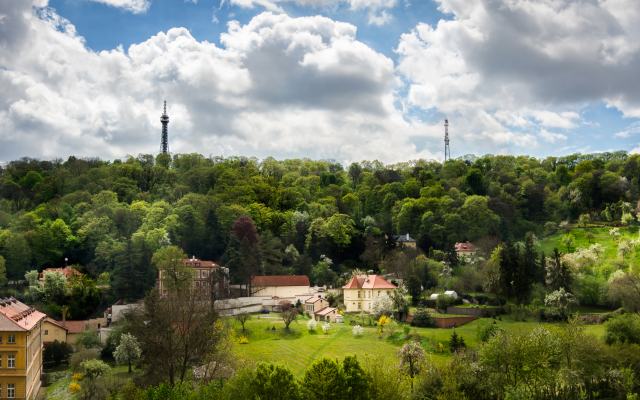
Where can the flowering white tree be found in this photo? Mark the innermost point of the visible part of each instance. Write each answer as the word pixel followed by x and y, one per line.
pixel 614 233
pixel 560 301
pixel 312 325
pixel 326 327
pixel 357 330
pixel 128 351
pixel 382 305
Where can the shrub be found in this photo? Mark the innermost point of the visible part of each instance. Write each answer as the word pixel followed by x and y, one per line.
pixel 406 329
pixel 484 333
pixel 423 319
pixel 243 340
pixel 312 325
pixel 444 301
pixel 357 330
pixel 622 329
pixel 326 327
pixel 81 356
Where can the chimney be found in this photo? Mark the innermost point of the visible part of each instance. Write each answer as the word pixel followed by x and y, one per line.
pixel 407 236
pixel 64 317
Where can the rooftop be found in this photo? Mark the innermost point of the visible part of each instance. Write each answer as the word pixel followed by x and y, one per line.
pixel 326 311
pixel 69 272
pixel 16 316
pixel 465 247
pixel 282 280
pixel 75 326
pixel 403 238
pixel 193 261
pixel 368 282
pixel 313 299
pixel 54 322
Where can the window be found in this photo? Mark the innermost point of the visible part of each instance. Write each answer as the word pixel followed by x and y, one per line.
pixel 11 339
pixel 197 264
pixel 378 293
pixel 11 390
pixel 204 274
pixel 0 367
pixel 359 306
pixel 46 332
pixel 358 294
pixel 11 361
pixel 188 264
pixel 0 338
pixel 198 274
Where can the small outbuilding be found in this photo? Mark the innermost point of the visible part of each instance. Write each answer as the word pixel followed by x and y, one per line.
pixel 451 293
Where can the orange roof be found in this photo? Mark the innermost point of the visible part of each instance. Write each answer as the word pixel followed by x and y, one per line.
pixel 283 280
pixel 313 299
pixel 193 261
pixel 325 311
pixel 17 316
pixel 465 247
pixel 75 326
pixel 368 282
pixel 54 322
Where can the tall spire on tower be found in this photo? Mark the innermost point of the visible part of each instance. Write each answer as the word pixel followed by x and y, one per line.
pixel 447 151
pixel 164 142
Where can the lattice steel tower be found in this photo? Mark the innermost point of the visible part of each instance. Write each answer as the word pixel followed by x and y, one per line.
pixel 164 143
pixel 447 151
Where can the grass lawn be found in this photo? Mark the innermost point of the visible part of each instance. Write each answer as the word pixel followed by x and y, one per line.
pixel 601 236
pixel 298 348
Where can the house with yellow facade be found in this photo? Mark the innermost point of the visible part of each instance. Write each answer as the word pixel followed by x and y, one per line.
pixel 53 330
pixel 362 289
pixel 21 344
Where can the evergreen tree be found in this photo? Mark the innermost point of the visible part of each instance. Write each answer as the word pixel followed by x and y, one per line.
pixel 530 258
pixel 508 268
pixel 127 281
pixel 456 342
pixel 215 243
pixel 451 257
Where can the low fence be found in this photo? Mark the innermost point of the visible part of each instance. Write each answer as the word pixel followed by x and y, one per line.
pixel 453 322
pixel 478 312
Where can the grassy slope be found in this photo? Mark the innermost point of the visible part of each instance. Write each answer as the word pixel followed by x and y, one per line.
pixel 298 348
pixel 601 236
pixel 60 389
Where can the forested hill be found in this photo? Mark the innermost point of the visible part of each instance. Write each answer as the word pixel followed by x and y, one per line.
pixel 312 217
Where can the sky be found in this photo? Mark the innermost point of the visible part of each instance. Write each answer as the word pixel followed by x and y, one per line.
pixel 351 80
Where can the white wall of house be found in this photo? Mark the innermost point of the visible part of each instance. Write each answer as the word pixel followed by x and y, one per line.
pixel 281 291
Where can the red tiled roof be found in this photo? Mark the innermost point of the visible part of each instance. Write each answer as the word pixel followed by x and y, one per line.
pixel 368 282
pixel 326 311
pixel 206 264
pixel 75 326
pixel 17 316
pixel 283 280
pixel 54 322
pixel 465 247
pixel 313 299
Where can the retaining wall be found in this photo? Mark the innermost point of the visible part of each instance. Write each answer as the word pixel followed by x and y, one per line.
pixel 478 312
pixel 446 322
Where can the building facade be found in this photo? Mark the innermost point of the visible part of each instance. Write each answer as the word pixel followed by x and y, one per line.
pixel 362 289
pixel 21 344
pixel 201 276
pixel 53 330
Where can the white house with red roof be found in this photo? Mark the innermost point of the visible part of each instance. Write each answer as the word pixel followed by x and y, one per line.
pixel 68 272
pixel 362 289
pixel 466 249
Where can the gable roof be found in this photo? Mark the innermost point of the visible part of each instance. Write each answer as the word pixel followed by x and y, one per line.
pixel 56 323
pixel 193 261
pixel 368 282
pixel 403 238
pixel 16 316
pixel 75 326
pixel 326 310
pixel 313 299
pixel 465 247
pixel 282 280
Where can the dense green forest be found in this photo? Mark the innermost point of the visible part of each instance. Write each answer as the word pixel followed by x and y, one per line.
pixel 317 218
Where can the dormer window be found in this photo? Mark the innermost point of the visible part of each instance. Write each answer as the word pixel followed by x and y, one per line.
pixel 188 264
pixel 197 264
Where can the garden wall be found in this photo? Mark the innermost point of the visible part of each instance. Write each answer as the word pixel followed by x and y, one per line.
pixel 478 312
pixel 446 322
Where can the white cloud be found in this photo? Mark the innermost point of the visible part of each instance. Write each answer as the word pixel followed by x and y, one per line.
pixel 280 86
pixel 527 65
pixel 135 6
pixel 551 137
pixel 355 5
